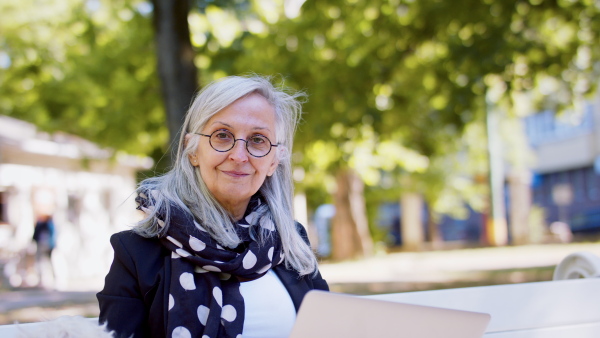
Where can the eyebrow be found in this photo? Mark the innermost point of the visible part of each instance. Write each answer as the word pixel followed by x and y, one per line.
pixel 230 126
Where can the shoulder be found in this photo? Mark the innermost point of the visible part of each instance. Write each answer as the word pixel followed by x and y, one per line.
pixel 137 256
pixel 129 236
pixel 301 230
pixel 131 244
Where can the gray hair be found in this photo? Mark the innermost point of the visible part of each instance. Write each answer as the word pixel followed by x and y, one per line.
pixel 184 187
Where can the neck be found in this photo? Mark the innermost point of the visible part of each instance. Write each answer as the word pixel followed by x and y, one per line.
pixel 236 210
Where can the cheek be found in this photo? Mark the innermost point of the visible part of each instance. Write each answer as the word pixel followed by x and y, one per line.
pixel 208 157
pixel 265 168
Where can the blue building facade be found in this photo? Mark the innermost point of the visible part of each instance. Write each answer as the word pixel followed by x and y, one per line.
pixel 566 180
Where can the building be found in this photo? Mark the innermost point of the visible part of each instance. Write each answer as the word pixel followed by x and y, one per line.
pixel 566 180
pixel 559 193
pixel 87 190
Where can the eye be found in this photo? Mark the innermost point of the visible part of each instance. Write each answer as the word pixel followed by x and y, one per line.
pixel 222 135
pixel 258 140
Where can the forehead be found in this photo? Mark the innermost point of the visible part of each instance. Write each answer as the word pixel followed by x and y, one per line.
pixel 252 111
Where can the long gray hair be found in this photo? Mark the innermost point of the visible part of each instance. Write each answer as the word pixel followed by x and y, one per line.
pixel 183 185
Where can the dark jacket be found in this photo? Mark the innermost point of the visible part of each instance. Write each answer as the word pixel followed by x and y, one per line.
pixel 136 290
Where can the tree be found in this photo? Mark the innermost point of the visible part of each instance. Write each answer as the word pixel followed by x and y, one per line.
pixel 176 66
pixel 418 72
pixel 83 68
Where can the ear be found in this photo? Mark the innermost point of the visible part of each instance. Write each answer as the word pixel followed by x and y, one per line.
pixel 273 165
pixel 192 156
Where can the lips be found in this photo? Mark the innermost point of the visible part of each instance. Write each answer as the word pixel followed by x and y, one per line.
pixel 235 174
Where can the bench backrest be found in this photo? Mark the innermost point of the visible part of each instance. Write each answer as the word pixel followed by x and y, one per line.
pixel 566 308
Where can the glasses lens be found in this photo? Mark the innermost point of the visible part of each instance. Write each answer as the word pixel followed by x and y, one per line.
pixel 258 145
pixel 222 140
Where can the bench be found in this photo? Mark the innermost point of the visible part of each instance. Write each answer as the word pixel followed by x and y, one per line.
pixel 568 306
pixel 562 308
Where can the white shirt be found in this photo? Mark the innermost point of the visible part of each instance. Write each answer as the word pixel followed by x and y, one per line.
pixel 269 310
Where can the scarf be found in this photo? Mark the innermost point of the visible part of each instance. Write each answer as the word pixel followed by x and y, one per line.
pixel 204 294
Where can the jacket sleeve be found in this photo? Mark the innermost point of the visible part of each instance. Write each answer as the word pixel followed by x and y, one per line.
pixel 121 302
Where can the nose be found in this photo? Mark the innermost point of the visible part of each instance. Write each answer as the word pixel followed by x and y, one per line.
pixel 238 153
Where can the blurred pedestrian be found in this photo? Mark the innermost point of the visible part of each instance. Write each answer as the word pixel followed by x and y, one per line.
pixel 44 236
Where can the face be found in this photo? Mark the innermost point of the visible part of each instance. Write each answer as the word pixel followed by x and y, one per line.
pixel 235 175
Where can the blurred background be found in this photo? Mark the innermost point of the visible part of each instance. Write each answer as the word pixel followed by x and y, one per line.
pixel 458 128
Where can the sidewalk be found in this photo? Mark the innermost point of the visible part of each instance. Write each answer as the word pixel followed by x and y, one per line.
pixel 34 305
pixel 408 271
pixel 396 272
pixel 14 300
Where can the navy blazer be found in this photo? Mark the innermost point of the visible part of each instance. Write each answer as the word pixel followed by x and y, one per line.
pixel 136 290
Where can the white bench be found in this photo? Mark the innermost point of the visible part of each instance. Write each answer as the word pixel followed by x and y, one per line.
pixel 563 308
pixel 556 309
pixel 25 330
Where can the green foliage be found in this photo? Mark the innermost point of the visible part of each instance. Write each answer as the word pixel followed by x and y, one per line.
pixel 398 89
pixel 387 76
pixel 86 68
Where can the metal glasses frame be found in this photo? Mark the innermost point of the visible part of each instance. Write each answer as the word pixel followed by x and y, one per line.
pixel 234 141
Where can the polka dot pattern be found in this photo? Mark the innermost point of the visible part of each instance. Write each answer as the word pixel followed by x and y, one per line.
pixel 228 313
pixel 203 312
pixel 202 272
pixel 267 223
pixel 181 332
pixel 249 260
pixel 186 280
pixel 251 218
pixel 270 253
pixel 174 241
pixel 211 268
pixel 264 269
pixel 196 244
pixel 218 294
pixel 182 253
pixel 171 302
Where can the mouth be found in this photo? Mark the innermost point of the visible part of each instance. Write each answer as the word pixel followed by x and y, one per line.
pixel 236 174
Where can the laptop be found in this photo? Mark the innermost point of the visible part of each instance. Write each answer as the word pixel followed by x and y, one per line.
pixel 331 315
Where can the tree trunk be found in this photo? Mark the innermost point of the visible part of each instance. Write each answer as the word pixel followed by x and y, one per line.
pixel 435 236
pixel 520 206
pixel 175 61
pixel 350 230
pixel 411 215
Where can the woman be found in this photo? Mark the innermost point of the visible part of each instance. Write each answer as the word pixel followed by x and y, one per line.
pixel 218 254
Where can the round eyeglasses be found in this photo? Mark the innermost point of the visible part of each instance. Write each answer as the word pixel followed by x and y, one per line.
pixel 223 140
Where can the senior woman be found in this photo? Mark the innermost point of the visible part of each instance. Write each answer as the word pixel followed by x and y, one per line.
pixel 218 253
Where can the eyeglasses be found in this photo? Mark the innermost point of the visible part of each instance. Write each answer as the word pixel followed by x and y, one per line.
pixel 223 140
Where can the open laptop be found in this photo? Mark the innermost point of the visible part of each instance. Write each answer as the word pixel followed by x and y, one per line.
pixel 331 315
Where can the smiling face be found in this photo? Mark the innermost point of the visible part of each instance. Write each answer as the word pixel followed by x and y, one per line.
pixel 235 175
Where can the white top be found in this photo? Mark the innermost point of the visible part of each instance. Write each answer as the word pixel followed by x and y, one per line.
pixel 269 310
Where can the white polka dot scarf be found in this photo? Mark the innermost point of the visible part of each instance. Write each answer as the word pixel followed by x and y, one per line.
pixel 204 295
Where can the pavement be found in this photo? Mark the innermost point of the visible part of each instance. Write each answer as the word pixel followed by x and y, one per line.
pixel 411 271
pixel 383 273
